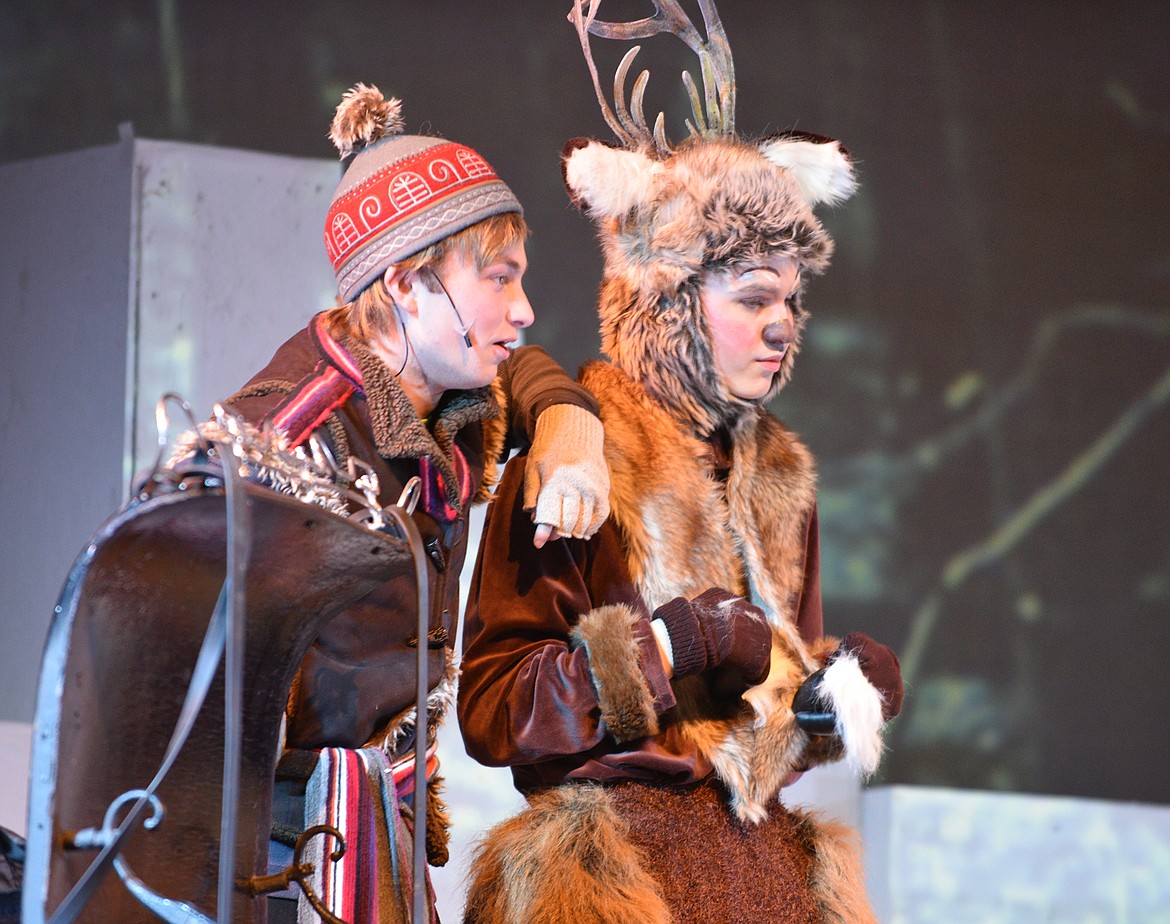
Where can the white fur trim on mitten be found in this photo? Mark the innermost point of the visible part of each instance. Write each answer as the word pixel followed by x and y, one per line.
pixel 566 479
pixel 858 707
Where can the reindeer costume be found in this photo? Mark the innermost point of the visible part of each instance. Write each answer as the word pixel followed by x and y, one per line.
pixel 652 798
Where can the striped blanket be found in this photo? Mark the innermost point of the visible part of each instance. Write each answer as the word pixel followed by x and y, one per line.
pixel 371 883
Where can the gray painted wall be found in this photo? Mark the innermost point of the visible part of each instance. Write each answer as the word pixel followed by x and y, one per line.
pixel 125 272
pixel 65 257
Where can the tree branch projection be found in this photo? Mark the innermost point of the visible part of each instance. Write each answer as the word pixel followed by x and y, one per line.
pixel 902 473
pixel 900 476
pixel 1027 517
pixel 1132 107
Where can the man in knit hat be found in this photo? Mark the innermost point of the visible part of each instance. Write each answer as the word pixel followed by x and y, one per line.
pixel 412 375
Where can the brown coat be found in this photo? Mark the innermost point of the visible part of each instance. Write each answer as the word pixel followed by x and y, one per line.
pixel 562 678
pixel 356 684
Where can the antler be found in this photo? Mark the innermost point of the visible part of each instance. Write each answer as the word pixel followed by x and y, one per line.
pixel 713 115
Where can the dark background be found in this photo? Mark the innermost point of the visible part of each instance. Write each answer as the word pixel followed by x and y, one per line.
pixel 985 378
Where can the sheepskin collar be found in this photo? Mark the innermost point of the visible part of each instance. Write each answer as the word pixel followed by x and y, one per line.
pixel 399 432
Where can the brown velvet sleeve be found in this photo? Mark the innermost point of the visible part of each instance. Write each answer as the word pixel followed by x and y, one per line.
pixel 810 619
pixel 528 691
pixel 532 381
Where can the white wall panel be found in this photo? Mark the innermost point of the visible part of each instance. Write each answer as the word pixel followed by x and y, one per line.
pixel 968 857
pixel 231 264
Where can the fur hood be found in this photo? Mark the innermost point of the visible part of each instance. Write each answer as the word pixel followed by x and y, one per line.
pixel 665 221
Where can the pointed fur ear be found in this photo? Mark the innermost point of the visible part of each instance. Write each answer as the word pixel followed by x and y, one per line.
pixel 607 182
pixel 820 166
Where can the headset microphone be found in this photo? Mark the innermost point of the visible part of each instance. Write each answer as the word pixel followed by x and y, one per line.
pixel 461 327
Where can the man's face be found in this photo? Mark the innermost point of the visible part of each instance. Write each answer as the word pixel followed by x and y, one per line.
pixel 749 316
pixel 489 304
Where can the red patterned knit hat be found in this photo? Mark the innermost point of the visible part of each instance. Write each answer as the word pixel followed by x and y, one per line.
pixel 400 193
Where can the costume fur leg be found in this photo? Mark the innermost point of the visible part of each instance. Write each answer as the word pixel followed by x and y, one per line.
pixel 569 859
pixel 563 860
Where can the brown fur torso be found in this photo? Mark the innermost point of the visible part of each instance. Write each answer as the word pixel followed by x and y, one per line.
pixel 684 531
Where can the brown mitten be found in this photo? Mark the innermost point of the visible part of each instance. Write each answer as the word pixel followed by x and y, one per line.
pixel 718 629
pixel 881 668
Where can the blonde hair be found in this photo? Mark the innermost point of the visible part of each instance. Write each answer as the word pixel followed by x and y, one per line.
pixel 370 314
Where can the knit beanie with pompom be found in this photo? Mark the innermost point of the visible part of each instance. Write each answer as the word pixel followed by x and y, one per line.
pixel 399 193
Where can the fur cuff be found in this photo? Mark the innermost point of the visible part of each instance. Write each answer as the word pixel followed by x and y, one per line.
pixel 609 634
pixel 438 824
pixel 858 705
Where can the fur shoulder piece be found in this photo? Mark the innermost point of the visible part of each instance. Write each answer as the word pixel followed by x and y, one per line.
pixel 683 532
pixel 661 500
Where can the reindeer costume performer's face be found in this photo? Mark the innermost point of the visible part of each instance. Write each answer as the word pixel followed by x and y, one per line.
pixel 708 493
pixel 673 218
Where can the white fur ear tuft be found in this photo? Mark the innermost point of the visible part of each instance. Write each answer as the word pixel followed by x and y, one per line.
pixel 611 182
pixel 858 706
pixel 822 170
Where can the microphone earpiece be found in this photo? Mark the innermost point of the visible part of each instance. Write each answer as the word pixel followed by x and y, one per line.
pixel 460 326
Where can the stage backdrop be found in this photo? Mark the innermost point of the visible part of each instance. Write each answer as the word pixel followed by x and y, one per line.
pixel 986 373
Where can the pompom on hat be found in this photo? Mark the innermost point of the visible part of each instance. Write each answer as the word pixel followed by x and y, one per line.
pixel 400 193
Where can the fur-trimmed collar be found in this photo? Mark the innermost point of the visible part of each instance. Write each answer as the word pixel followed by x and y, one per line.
pixel 400 433
pixel 398 430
